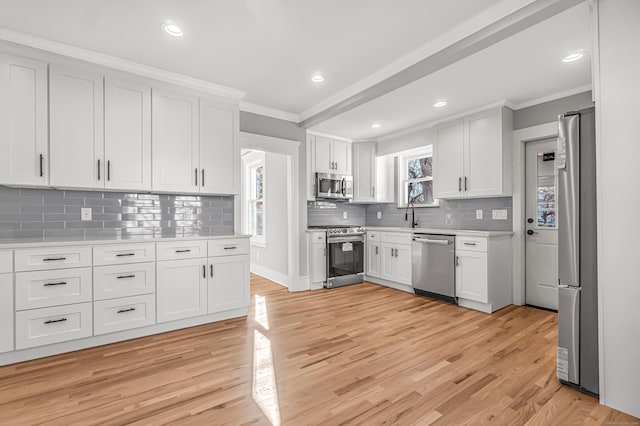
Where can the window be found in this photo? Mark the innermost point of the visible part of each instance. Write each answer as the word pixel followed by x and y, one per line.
pixel 255 188
pixel 416 179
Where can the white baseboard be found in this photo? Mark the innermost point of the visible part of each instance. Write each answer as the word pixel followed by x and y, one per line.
pixel 270 274
pixel 387 283
pixel 304 284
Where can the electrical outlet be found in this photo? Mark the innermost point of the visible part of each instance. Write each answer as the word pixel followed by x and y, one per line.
pixel 478 214
pixel 85 213
pixel 379 215
pixel 345 215
pixel 500 214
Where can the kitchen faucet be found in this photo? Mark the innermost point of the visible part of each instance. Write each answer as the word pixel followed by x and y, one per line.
pixel 411 203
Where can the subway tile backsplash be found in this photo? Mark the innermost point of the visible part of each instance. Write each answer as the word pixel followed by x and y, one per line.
pixel 51 213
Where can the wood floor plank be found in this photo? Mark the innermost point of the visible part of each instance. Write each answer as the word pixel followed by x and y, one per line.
pixel 362 354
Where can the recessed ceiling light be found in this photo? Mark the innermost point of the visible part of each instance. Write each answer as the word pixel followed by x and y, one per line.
pixel 375 126
pixel 573 57
pixel 317 78
pixel 172 29
pixel 440 104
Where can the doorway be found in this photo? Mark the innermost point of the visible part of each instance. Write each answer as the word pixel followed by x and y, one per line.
pixel 541 232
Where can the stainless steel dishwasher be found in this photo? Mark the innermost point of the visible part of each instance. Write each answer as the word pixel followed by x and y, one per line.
pixel 433 266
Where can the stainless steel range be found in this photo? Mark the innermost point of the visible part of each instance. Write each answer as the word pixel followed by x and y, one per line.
pixel 345 255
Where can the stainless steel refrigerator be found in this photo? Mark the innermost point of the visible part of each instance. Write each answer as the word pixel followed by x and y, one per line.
pixel 577 256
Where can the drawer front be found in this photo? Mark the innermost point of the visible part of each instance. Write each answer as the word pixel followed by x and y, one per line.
pixel 42 289
pixel 45 326
pixel 124 253
pixel 318 237
pixel 395 238
pixel 6 261
pixel 172 250
pixel 373 236
pixel 228 247
pixel 471 244
pixel 123 314
pixel 52 258
pixel 110 282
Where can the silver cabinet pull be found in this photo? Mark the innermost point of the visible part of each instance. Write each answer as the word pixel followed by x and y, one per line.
pixel 98 169
pixel 459 184
pixel 108 169
pixel 53 259
pixel 183 251
pixel 54 321
pixel 41 165
pixel 469 244
pixel 196 174
pixel 122 311
pixel 204 271
pixel 202 177
pixel 231 248
pixel 125 254
pixel 465 183
pixel 122 277
pixel 211 270
pixel 54 284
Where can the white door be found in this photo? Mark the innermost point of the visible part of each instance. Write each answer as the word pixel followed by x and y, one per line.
pixel 127 135
pixel 342 157
pixel 219 153
pixel 318 263
pixel 373 259
pixel 324 157
pixel 181 289
pixel 541 234
pixel 402 266
pixel 6 312
pixel 364 171
pixel 228 283
pixel 471 275
pixel 483 154
pixel 76 139
pixel 175 142
pixel 23 121
pixel 448 169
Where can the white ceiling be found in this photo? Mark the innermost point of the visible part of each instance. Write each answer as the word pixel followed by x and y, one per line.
pixel 523 67
pixel 268 48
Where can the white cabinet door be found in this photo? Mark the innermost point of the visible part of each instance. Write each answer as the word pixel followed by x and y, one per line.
pixel 373 259
pixel 76 135
pixel 324 156
pixel 219 152
pixel 318 267
pixel 23 121
pixel 364 172
pixel 175 142
pixel 127 135
pixel 483 153
pixel 402 265
pixel 342 157
pixel 448 173
pixel 387 262
pixel 228 283
pixel 181 289
pixel 6 312
pixel 471 275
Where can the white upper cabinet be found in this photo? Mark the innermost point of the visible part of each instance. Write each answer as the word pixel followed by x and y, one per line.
pixel 219 151
pixel 23 121
pixel 175 142
pixel 364 172
pixel 472 156
pixel 76 139
pixel 332 156
pixel 127 135
pixel 342 157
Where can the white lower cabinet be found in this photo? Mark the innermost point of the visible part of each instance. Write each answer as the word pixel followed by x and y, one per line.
pixel 317 259
pixel 113 281
pixel 124 313
pixel 396 263
pixel 228 286
pixel 45 326
pixel 41 289
pixel 6 312
pixel 373 259
pixel 471 275
pixel 181 289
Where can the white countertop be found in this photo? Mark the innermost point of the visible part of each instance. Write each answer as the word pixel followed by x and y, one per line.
pixel 457 232
pixel 39 242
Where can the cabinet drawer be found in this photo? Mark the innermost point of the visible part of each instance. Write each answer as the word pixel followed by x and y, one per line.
pixel 52 258
pixel 41 289
pixel 124 253
pixel 172 250
pixel 113 281
pixel 45 326
pixel 124 313
pixel 471 244
pixel 6 312
pixel 318 238
pixel 373 236
pixel 6 261
pixel 228 247
pixel 395 238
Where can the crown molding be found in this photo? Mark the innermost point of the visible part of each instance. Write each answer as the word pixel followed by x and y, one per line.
pixel 119 64
pixel 553 97
pixel 269 112
pixel 327 135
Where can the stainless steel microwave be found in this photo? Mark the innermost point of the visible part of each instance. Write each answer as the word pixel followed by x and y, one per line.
pixel 334 187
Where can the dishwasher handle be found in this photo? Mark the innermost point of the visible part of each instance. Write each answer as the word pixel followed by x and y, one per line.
pixel 430 241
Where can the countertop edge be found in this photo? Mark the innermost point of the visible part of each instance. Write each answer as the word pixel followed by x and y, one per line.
pixel 456 232
pixel 30 243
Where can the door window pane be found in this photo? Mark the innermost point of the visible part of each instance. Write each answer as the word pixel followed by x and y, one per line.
pixel 546 184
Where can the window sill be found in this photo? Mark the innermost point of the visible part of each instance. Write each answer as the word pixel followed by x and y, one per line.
pixel 420 206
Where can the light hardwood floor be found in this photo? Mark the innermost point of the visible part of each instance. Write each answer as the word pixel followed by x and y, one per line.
pixel 362 354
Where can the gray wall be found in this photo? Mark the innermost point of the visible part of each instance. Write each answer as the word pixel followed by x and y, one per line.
pixel 548 112
pixel 51 213
pixel 322 213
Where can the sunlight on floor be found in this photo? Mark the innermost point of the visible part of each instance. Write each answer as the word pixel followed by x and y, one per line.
pixel 261 311
pixel 264 390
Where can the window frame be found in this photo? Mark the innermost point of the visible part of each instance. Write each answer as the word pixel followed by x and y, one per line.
pixel 403 178
pixel 250 168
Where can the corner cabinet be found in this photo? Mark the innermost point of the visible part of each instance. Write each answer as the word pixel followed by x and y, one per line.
pixel 364 172
pixel 332 156
pixel 472 156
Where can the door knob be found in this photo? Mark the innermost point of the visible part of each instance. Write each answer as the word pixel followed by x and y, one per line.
pixel 531 232
pixel 529 220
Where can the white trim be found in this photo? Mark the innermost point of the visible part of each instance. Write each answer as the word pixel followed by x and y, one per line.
pixel 326 135
pixel 120 64
pixel 476 23
pixel 520 137
pixel 269 112
pixel 304 283
pixel 270 274
pixel 553 97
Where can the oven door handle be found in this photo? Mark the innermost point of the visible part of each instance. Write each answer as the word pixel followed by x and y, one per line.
pixel 345 240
